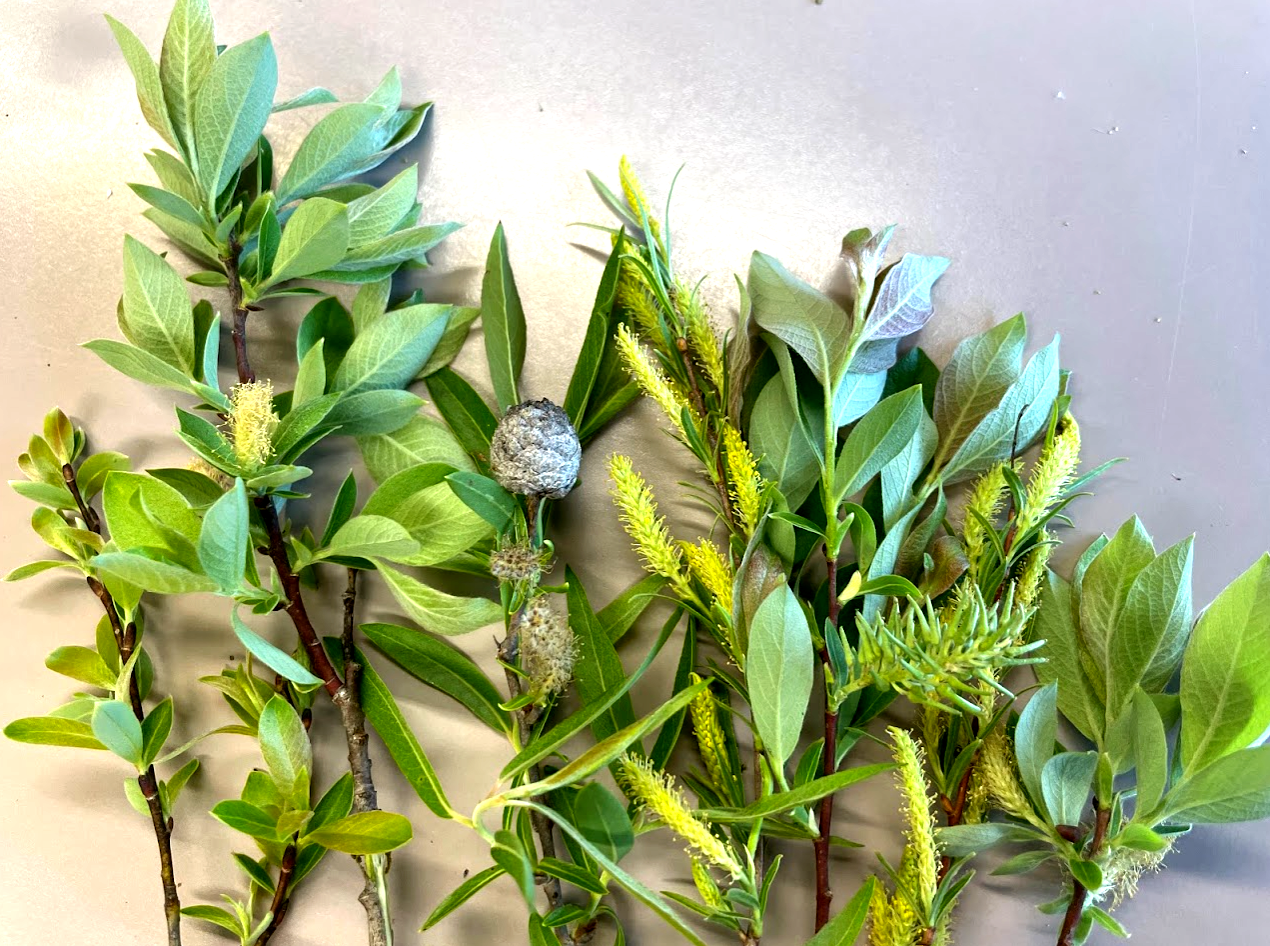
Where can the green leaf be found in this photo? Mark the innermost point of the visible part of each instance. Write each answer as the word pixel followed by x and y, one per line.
pixel 422 440
pixel 315 238
pixel 92 473
pixel 222 542
pixel 83 664
pixel 779 667
pixel 877 439
pixel 155 729
pixel 844 929
pixel 437 611
pixel 156 314
pixel 215 915
pixel 1107 921
pixel 370 413
pixel 597 668
pixel 461 895
pixel 1151 752
pixel 176 784
pixel 388 252
pixel 1234 788
pixel 1034 737
pixel 385 716
pixel 427 507
pixel 444 668
pixel 172 204
pixel 145 73
pixel 1054 624
pixel 140 508
pixel 31 569
pixel 284 743
pixel 53 731
pixel 580 877
pixel 628 882
pixel 247 818
pixel 504 322
pixel 456 331
pixel 366 832
pixel 803 318
pixel 272 657
pixel 465 412
pixel 605 751
pixel 510 854
pixel 189 51
pixel 174 176
pixel 586 370
pixel 779 439
pixel 1023 863
pixel 314 96
pixel 331 150
pixel 391 351
pixel 256 871
pixel 619 615
pixel 1087 873
pixel 601 818
pixel 1065 783
pixel 117 729
pixel 231 111
pixel 371 537
pixel 797 797
pixel 856 395
pixel 980 371
pixel 310 380
pixel 329 322
pixel 150 574
pixel 966 839
pixel 1139 837
pixel 1225 702
pixel 485 497
pixel 1015 422
pixel 902 305
pixel 379 212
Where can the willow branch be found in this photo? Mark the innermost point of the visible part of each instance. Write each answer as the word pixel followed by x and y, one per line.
pixel 1066 936
pixel 829 765
pixel 147 781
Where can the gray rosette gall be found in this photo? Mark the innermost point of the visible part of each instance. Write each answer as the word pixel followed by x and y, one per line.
pixel 535 451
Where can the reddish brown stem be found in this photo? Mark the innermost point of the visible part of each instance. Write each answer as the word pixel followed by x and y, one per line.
pixel 281 894
pixel 147 781
pixel 829 765
pixel 240 311
pixel 1066 936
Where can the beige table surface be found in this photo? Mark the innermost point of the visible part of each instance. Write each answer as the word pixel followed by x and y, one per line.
pixel 1097 164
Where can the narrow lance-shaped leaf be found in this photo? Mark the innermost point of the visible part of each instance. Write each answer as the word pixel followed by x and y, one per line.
pixel 504 322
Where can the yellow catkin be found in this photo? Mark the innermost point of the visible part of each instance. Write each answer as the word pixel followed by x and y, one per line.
pixel 199 465
pixel 706 886
pixel 1001 781
pixel 701 336
pixel 633 295
pixel 894 921
pixel 916 808
pixel 658 795
pixel 648 532
pixel 633 190
pixel 1054 469
pixel 745 482
pixel 709 567
pixel 252 423
pixel 1028 585
pixel 985 498
pixel 649 377
pixel 710 740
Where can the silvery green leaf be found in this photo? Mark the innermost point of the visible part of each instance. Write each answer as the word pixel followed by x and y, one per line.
pixel 315 238
pixel 877 439
pixel 1104 589
pixel 779 668
pixel 456 332
pixel 422 440
pixel 394 249
pixel 1225 700
pixel 1153 626
pixel 1034 738
pixel 901 473
pixel 1234 788
pixel 1014 423
pixel 777 437
pixel 276 659
pixel 863 252
pixel 172 204
pixel 856 394
pixel 391 351
pixel 117 729
pixel 314 96
pixel 188 237
pixel 331 150
pixel 381 211
pixel 188 53
pixel 980 371
pixel 222 542
pixel 145 72
pixel 284 743
pixel 437 611
pixel 1065 785
pixel 151 574
pixel 156 315
pixel 902 304
pixel 369 413
pixel 369 536
pixel 1054 624
pixel 387 95
pixel 804 318
pixel 231 111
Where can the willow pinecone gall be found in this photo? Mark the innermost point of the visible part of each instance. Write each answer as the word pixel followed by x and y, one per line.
pixel 535 450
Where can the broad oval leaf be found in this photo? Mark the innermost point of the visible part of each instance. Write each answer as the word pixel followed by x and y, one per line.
pixel 232 108
pixel 366 832
pixel 779 667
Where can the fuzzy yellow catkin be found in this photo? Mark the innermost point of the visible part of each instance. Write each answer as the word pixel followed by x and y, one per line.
pixel 633 191
pixel 893 921
pixel 650 378
pixel 252 423
pixel 633 295
pixel 985 498
pixel 702 340
pixel 706 886
pixel 996 769
pixel 1054 469
pixel 916 808
pixel 638 512
pixel 745 482
pixel 199 465
pixel 658 795
pixel 709 567
pixel 1028 584
pixel 710 741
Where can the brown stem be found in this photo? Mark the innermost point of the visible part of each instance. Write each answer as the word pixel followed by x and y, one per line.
pixel 829 765
pixel 281 894
pixel 955 808
pixel 147 781
pixel 1066 936
pixel 240 310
